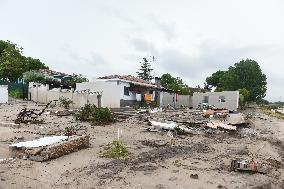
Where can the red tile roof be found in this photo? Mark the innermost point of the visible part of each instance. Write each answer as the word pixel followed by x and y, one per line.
pixel 129 78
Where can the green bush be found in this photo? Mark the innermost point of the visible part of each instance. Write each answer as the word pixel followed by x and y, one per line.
pixel 70 130
pixel 65 102
pixel 96 116
pixel 117 150
pixel 16 93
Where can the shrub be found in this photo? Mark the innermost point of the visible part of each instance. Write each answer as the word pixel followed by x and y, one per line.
pixel 16 93
pixel 117 150
pixel 268 112
pixel 65 102
pixel 70 130
pixel 96 116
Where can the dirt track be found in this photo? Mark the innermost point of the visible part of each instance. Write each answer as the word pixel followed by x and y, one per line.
pixel 152 163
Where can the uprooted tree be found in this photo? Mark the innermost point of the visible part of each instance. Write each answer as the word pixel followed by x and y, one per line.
pixel 245 76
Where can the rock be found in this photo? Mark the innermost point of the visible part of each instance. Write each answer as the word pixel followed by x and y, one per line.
pixel 160 186
pixel 173 179
pixel 194 176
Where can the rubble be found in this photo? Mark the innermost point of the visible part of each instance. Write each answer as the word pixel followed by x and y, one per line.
pixel 47 148
pixel 169 126
pixel 248 166
pixel 218 124
pixel 202 155
pixel 31 115
pixel 7 160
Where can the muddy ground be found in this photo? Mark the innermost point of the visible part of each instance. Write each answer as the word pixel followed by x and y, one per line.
pixel 199 160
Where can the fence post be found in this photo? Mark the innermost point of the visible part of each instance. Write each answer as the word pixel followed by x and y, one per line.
pixel 37 93
pixel 71 94
pixel 87 96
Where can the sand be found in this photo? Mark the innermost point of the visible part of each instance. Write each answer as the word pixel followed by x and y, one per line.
pixel 200 160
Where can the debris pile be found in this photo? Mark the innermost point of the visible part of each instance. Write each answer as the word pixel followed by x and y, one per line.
pixel 247 166
pixel 30 115
pixel 188 120
pixel 47 148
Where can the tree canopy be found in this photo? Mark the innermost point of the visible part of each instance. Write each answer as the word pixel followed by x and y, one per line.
pixel 145 70
pixel 245 76
pixel 174 83
pixel 13 63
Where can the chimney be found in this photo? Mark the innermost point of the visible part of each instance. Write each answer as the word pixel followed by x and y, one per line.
pixel 158 81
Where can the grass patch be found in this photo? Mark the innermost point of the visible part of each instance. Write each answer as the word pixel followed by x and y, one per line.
pixel 271 113
pixel 117 150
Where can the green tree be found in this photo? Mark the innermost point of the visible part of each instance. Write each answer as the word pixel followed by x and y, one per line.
pixel 33 64
pixel 246 74
pixel 79 79
pixel 174 83
pixel 32 76
pixel 215 80
pixel 145 70
pixel 3 46
pixel 244 94
pixel 13 64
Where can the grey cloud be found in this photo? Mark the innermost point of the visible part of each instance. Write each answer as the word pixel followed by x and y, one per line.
pixel 94 57
pixel 118 13
pixel 142 45
pixel 213 57
pixel 167 28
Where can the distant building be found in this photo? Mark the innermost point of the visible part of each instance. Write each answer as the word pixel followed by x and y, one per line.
pixel 58 76
pixel 225 99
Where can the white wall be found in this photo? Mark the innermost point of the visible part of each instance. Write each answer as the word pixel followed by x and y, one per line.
pixel 111 92
pixel 231 97
pixel 4 94
pixel 41 94
pixel 132 96
pixel 182 100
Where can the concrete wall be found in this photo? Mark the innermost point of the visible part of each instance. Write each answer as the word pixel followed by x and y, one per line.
pixel 42 94
pixel 111 92
pixel 182 100
pixel 4 94
pixel 231 99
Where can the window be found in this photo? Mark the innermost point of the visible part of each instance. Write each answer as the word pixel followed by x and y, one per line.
pixel 126 91
pixel 222 99
pixel 205 99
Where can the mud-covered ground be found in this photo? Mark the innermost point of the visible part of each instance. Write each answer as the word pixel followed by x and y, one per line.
pixel 199 160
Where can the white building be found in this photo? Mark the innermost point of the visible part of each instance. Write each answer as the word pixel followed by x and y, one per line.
pixel 4 94
pixel 119 91
pixel 225 99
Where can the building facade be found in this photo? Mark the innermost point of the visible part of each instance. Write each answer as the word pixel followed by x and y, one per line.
pixel 222 100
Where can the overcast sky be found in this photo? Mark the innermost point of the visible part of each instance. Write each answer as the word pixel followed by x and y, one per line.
pixel 190 38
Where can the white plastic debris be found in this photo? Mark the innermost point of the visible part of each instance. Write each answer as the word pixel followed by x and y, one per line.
pixel 166 126
pixel 156 110
pixel 169 126
pixel 40 142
